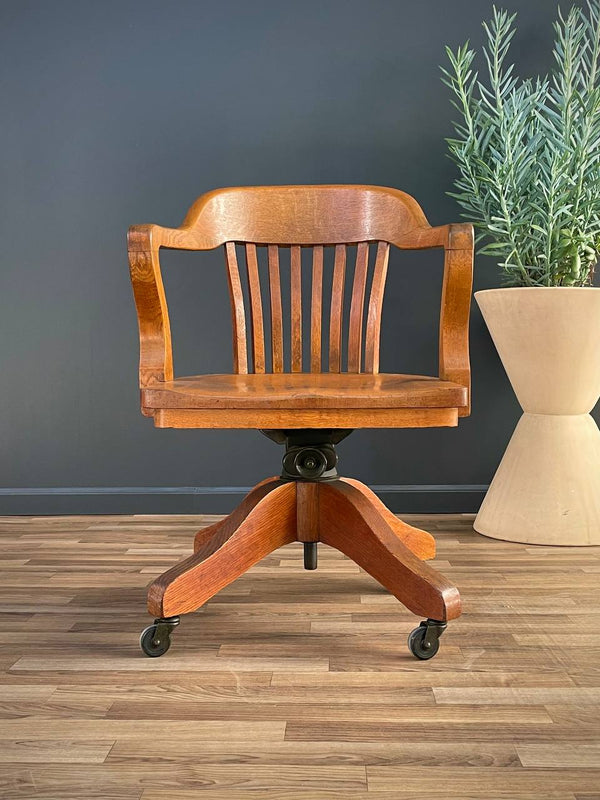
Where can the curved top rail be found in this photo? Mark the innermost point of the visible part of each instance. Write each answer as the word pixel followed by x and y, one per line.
pixel 304 215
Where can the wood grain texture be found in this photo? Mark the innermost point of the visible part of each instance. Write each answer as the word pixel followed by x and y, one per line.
pixel 316 309
pixel 318 391
pixel 156 353
pixel 322 400
pixel 304 215
pixel 456 308
pixel 238 317
pixel 227 554
pixel 275 513
pixel 296 306
pixel 419 542
pixel 375 547
pixel 307 511
pixel 350 418
pixel 276 309
pixel 256 312
pixel 357 303
pixel 375 308
pixel 337 309
pixel 218 533
pixel 296 217
pixel 231 713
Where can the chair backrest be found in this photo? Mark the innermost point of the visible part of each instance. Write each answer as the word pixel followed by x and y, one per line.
pixel 281 223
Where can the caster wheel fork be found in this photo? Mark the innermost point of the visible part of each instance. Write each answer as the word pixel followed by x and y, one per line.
pixel 155 640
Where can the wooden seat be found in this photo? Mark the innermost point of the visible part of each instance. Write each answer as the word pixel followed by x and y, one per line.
pixel 282 400
pixel 305 373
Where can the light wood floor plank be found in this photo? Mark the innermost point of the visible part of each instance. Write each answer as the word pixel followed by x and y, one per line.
pixel 310 794
pixel 94 729
pixel 362 753
pixel 54 751
pixel 572 756
pixel 61 777
pixel 457 782
pixel 516 695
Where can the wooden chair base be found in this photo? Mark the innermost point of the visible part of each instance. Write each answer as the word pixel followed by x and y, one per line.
pixel 342 513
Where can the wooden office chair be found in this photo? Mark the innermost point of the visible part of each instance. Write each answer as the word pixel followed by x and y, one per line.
pixel 307 411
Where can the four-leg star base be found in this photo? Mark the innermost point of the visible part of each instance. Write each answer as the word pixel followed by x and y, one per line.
pixel 342 513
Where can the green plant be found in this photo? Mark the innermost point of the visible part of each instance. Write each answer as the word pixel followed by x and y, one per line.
pixel 528 152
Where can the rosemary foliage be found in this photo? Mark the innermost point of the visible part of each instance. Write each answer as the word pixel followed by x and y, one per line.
pixel 528 152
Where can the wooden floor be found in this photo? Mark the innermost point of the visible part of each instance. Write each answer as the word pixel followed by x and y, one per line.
pixel 293 684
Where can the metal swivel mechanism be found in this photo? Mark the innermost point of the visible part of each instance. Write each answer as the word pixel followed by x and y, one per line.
pixel 309 456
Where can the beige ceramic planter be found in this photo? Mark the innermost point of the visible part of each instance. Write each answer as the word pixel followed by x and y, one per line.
pixel 547 487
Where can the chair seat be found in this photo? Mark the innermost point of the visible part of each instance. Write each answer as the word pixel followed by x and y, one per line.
pixel 304 400
pixel 305 390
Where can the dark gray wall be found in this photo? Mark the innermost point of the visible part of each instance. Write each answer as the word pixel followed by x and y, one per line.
pixel 124 111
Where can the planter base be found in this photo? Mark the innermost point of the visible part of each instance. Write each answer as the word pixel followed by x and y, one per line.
pixel 547 487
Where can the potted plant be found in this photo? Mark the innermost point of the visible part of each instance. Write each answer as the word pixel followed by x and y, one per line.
pixel 528 157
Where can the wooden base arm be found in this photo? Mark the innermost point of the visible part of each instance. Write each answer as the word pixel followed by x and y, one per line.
pixel 352 523
pixel 342 513
pixel 419 542
pixel 233 548
pixel 218 533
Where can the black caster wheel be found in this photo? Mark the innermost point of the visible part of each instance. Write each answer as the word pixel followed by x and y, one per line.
pixel 155 640
pixel 424 641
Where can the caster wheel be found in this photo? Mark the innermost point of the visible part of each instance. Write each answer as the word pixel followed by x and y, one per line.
pixel 151 644
pixel 416 645
pixel 155 640
pixel 424 641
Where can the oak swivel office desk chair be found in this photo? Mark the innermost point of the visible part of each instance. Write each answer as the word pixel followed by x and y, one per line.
pixel 307 407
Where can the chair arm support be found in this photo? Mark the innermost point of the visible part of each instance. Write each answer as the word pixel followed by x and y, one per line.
pixel 456 307
pixel 156 359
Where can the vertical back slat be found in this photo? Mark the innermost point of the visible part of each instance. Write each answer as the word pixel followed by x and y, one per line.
pixel 357 309
pixel 375 306
pixel 258 336
pixel 238 317
pixel 357 306
pixel 276 312
pixel 337 308
pixel 296 306
pixel 316 305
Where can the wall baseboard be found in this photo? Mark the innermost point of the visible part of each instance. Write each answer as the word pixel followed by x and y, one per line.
pixel 408 499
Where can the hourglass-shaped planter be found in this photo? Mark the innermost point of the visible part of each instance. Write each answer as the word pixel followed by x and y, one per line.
pixel 547 487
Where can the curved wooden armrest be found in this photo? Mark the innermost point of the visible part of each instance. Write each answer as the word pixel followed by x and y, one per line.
pixel 143 243
pixel 457 240
pixel 456 308
pixel 156 356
